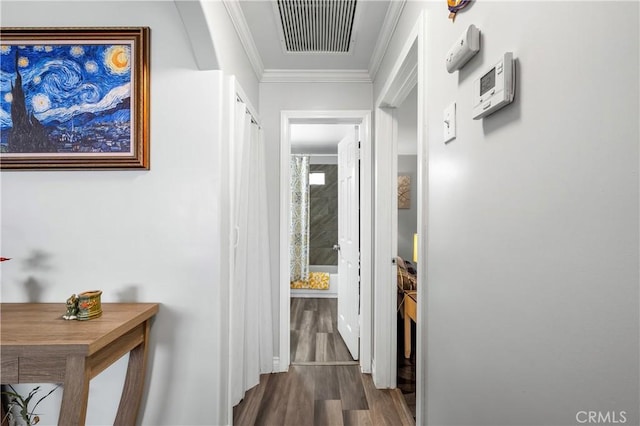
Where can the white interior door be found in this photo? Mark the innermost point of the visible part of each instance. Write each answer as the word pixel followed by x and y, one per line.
pixel 349 242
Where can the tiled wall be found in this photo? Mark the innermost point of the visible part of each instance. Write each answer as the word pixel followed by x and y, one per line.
pixel 323 227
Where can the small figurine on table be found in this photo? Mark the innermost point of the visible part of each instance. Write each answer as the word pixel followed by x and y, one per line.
pixel 72 308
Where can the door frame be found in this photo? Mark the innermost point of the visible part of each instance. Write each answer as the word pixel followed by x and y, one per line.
pixel 408 70
pixel 363 119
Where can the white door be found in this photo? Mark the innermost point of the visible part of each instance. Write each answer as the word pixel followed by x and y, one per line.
pixel 349 242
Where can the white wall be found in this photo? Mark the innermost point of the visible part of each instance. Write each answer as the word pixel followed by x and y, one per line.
pixel 408 218
pixel 407 119
pixel 231 53
pixel 323 159
pixel 532 294
pixel 277 97
pixel 147 236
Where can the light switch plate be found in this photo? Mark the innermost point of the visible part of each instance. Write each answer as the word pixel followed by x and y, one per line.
pixel 449 122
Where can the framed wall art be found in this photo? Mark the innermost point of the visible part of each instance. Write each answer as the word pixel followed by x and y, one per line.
pixel 404 192
pixel 74 98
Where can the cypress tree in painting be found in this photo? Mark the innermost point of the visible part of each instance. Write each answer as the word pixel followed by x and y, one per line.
pixel 27 134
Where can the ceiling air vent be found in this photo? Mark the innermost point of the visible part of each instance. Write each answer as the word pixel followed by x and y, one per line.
pixel 317 25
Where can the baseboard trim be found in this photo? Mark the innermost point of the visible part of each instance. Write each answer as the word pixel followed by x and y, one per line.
pixel 324 363
pixel 373 370
pixel 276 364
pixel 402 408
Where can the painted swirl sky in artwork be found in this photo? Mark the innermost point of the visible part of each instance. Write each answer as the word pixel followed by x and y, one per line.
pixel 63 81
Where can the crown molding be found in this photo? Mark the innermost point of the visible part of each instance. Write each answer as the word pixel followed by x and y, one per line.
pixel 315 76
pixel 386 32
pixel 242 28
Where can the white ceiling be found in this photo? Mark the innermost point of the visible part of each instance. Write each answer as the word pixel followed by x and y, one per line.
pixel 263 23
pixel 257 23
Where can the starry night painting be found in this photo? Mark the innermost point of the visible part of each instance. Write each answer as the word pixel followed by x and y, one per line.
pixel 69 100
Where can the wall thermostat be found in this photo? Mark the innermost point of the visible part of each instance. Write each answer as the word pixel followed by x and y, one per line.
pixel 463 49
pixel 495 88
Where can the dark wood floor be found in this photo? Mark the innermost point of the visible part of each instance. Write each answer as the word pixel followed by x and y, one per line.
pixel 320 394
pixel 314 331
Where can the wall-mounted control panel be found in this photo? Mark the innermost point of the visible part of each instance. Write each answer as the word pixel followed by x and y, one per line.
pixel 467 45
pixel 495 88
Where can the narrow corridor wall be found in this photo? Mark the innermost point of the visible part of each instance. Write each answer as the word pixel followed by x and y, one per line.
pixel 277 97
pixel 531 311
pixel 147 236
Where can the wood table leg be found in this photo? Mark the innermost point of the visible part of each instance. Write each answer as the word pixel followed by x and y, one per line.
pixel 3 420
pixel 73 410
pixel 407 336
pixel 134 383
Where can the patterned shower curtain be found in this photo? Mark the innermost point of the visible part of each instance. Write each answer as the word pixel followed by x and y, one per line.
pixel 299 226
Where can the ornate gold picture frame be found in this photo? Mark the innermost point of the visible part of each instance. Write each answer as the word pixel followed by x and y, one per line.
pixel 74 98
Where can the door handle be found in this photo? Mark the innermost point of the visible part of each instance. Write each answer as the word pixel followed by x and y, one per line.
pixel 336 247
pixel 394 261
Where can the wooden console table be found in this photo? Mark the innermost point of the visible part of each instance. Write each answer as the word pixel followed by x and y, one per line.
pixel 38 346
pixel 410 313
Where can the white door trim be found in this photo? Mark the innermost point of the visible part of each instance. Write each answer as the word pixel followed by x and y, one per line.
pixel 408 70
pixel 385 298
pixel 363 118
pixel 349 241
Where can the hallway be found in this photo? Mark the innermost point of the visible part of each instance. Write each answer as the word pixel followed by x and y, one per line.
pixel 314 332
pixel 324 385
pixel 321 396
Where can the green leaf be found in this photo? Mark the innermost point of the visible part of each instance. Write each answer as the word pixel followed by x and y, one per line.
pixel 23 403
pixel 41 399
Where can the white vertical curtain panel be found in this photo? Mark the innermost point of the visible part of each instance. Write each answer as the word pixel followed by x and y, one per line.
pixel 251 311
pixel 299 226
